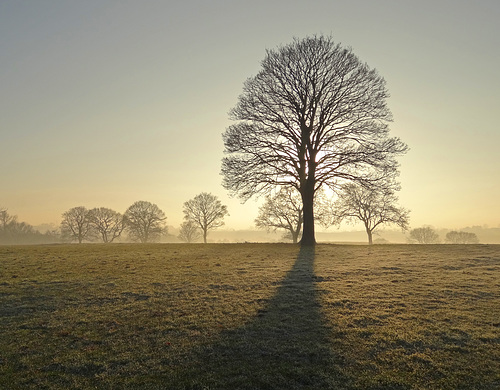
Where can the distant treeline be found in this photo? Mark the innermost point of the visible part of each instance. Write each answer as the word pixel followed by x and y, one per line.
pixel 14 232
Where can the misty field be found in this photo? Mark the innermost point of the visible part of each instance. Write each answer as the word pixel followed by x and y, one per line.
pixel 249 316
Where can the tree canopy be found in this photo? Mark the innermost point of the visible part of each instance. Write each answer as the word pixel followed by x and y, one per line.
pixel 107 223
pixel 76 225
pixel 144 221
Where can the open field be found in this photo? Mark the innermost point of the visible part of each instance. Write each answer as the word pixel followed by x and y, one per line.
pixel 250 316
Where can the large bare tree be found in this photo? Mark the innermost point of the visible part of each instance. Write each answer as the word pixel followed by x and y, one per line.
pixel 373 208
pixel 107 223
pixel 76 225
pixel 314 115
pixel 206 211
pixel 144 221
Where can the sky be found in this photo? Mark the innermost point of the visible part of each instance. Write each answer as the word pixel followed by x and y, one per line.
pixel 104 102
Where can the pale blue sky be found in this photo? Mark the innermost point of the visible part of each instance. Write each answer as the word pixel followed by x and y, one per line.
pixel 103 103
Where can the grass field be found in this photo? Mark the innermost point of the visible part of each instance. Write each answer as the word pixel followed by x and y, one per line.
pixel 250 316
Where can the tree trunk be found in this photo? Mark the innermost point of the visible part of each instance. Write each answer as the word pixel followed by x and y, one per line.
pixel 205 235
pixel 308 237
pixel 370 238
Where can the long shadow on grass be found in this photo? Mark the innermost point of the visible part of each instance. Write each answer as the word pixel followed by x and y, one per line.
pixel 284 347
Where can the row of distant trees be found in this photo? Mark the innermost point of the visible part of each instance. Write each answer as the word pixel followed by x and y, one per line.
pixel 427 235
pixel 143 221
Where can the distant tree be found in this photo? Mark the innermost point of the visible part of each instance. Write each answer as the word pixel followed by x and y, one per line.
pixel 372 208
pixel 283 210
pixel 7 221
pixel 189 231
pixel 314 116
pixel 76 225
pixel 424 235
pixel 145 222
pixel 5 218
pixel 455 237
pixel 206 211
pixel 107 223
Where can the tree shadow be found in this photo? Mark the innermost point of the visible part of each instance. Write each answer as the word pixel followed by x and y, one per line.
pixel 285 347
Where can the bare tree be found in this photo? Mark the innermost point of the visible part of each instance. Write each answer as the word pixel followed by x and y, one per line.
pixel 314 115
pixel 455 237
pixel 144 221
pixel 76 225
pixel 107 223
pixel 373 208
pixel 6 219
pixel 283 210
pixel 189 231
pixel 424 235
pixel 206 211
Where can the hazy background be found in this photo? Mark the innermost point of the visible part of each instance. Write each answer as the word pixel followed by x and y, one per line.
pixel 103 103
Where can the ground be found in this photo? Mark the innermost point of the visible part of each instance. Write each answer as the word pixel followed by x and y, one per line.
pixel 249 316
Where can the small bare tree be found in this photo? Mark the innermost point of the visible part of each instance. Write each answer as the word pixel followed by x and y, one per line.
pixel 424 235
pixel 206 211
pixel 107 223
pixel 144 221
pixel 6 218
pixel 283 210
pixel 372 208
pixel 189 232
pixel 76 225
pixel 461 238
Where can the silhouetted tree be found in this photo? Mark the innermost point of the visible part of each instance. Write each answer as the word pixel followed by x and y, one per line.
pixel 206 211
pixel 107 223
pixel 145 222
pixel 314 115
pixel 76 225
pixel 189 231
pixel 455 237
pixel 6 219
pixel 283 210
pixel 372 207
pixel 424 235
